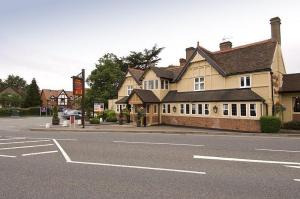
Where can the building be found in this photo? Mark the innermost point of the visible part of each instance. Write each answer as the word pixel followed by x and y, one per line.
pixel 60 98
pixel 227 89
pixel 14 97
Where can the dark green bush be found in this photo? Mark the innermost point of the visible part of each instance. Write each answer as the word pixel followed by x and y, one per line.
pixel 111 116
pixel 7 112
pixel 270 124
pixel 94 121
pixel 294 125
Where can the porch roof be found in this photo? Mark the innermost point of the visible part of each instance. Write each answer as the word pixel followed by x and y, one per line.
pixel 122 100
pixel 146 96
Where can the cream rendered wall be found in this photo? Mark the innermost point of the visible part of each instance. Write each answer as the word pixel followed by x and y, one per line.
pixel 160 93
pixel 129 81
pixel 287 100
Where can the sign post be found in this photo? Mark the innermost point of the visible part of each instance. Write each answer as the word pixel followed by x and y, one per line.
pixel 79 90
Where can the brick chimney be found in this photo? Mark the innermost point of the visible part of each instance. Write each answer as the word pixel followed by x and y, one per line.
pixel 189 52
pixel 275 29
pixel 182 61
pixel 225 45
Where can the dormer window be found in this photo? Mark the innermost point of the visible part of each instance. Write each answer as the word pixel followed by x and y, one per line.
pixel 245 82
pixel 199 84
pixel 164 84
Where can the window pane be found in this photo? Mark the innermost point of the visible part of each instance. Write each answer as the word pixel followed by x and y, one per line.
pixel 206 109
pixel 193 108
pixel 248 81
pixel 169 108
pixel 164 108
pixel 225 109
pixel 148 108
pixel 297 104
pixel 182 108
pixel 145 85
pixel 233 109
pixel 252 109
pixel 243 110
pixel 162 84
pixel 151 84
pixel 167 85
pixel 156 84
pixel 201 86
pixel 200 109
pixel 154 108
pixel 242 82
pixel 187 109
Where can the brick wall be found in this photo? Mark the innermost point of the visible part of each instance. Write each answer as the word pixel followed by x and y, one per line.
pixel 296 117
pixel 216 123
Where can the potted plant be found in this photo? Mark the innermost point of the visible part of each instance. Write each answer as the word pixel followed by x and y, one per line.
pixel 140 115
pixel 55 118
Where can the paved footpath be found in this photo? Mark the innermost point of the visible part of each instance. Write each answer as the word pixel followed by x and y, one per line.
pixel 75 164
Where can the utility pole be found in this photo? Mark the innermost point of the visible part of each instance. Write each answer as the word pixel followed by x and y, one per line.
pixel 83 98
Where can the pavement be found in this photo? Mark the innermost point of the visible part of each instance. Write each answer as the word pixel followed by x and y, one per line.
pixel 82 164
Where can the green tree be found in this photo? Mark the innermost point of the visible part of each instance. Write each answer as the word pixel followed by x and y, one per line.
pixel 143 59
pixel 32 97
pixel 15 82
pixel 10 100
pixel 105 79
pixel 2 85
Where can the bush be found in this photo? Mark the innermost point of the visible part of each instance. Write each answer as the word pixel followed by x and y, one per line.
pixel 111 116
pixel 294 125
pixel 94 121
pixel 55 118
pixel 270 124
pixel 7 112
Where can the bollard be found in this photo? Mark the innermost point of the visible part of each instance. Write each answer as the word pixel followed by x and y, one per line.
pixel 65 123
pixel 47 126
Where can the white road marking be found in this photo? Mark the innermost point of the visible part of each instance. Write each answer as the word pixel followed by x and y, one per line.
pixel 13 138
pixel 68 160
pixel 297 180
pixel 158 143
pixel 24 142
pixel 8 156
pixel 244 160
pixel 138 167
pixel 39 153
pixel 23 147
pixel 296 167
pixel 64 139
pixel 276 150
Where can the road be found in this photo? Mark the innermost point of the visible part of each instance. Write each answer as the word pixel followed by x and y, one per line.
pixel 144 165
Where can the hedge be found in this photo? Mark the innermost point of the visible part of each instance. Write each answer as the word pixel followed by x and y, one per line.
pixel 270 124
pixel 94 121
pixel 7 112
pixel 294 125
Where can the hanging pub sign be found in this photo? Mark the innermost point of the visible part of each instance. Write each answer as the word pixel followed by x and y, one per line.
pixel 77 86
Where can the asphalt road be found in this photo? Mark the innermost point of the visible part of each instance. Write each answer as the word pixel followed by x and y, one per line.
pixel 144 165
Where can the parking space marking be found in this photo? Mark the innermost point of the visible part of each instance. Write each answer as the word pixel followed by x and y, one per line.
pixel 13 138
pixel 296 167
pixel 5 143
pixel 244 160
pixel 8 156
pixel 64 139
pixel 68 160
pixel 157 143
pixel 277 150
pixel 39 153
pixel 23 147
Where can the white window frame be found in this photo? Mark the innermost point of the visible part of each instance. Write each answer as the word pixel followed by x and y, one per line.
pixel 168 108
pixel 198 83
pixel 202 113
pixel 129 89
pixel 156 84
pixel 226 109
pixel 182 109
pixel 150 84
pixel 155 108
pixel 241 110
pixel 237 112
pixel 245 81
pixel 255 109
pixel 167 84
pixel 164 108
pixel 186 109
pixel 145 85
pixel 194 107
pixel 206 109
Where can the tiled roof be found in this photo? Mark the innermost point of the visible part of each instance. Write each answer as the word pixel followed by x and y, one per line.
pixel 136 74
pixel 123 100
pixel 49 93
pixel 291 83
pixel 226 95
pixel 146 96
pixel 243 59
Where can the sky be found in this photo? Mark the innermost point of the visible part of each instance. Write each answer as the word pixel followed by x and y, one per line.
pixel 52 40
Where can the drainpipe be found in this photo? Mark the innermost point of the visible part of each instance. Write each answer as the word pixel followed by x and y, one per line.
pixel 272 91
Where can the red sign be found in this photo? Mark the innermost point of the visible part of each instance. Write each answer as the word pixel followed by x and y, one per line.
pixel 77 86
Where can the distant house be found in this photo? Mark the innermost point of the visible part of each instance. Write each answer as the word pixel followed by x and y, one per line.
pixel 9 91
pixel 59 98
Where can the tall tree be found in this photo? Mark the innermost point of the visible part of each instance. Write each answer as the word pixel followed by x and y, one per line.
pixel 105 79
pixel 2 86
pixel 15 82
pixel 144 59
pixel 32 97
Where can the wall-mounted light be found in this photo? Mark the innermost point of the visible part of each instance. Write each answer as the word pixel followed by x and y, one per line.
pixel 215 109
pixel 174 109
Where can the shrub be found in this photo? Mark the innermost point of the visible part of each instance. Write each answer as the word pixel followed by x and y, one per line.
pixel 270 124
pixel 7 112
pixel 111 116
pixel 55 118
pixel 294 125
pixel 94 121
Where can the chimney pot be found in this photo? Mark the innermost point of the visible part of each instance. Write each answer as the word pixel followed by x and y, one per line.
pixel 182 61
pixel 275 29
pixel 225 45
